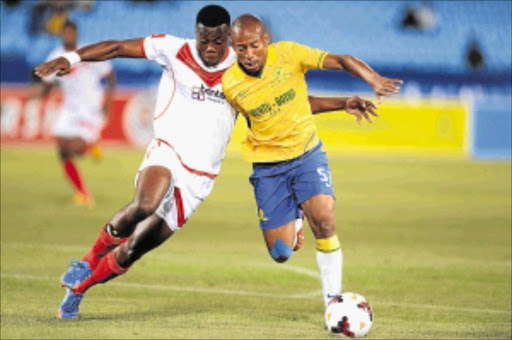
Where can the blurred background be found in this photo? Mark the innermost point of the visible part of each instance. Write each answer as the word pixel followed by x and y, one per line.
pixel 454 58
pixel 423 205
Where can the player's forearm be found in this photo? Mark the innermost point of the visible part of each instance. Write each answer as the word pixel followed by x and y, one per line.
pixel 322 104
pixel 105 50
pixel 352 65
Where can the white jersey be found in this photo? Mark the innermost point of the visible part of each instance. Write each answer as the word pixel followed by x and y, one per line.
pixel 191 113
pixel 82 89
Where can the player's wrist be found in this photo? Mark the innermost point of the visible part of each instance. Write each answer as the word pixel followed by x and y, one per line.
pixel 72 57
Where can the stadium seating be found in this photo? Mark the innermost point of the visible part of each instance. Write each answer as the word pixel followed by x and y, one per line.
pixel 370 31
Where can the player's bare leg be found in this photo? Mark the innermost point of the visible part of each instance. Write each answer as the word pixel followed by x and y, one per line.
pixel 152 186
pixel 319 211
pixel 148 235
pixel 280 241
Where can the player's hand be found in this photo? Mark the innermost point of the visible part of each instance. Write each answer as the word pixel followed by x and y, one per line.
pixel 60 65
pixel 361 108
pixel 385 86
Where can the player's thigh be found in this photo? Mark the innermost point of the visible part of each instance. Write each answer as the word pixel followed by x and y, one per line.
pixel 71 146
pixel 152 184
pixel 314 190
pixel 285 233
pixel 185 194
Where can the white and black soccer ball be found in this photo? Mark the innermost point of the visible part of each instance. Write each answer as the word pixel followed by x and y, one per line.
pixel 349 316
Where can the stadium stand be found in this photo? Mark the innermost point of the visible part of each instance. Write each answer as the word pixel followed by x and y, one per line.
pixel 372 32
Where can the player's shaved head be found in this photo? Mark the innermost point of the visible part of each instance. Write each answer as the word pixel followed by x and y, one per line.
pixel 250 39
pixel 248 22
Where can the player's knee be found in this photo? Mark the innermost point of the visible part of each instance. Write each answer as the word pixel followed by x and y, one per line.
pixel 280 252
pixel 65 154
pixel 324 225
pixel 145 208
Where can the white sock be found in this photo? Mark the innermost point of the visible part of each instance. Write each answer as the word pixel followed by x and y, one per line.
pixel 330 265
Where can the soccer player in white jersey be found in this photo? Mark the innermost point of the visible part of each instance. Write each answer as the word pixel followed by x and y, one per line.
pixel 192 123
pixel 83 111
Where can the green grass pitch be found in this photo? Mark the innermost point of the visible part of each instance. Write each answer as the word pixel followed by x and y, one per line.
pixel 426 240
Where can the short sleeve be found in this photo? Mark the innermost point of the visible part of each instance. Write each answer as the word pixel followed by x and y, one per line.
pixel 306 56
pixel 103 68
pixel 159 47
pixel 52 78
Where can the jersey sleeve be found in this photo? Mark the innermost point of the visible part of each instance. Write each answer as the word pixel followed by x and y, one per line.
pixel 227 88
pixel 52 78
pixel 103 68
pixel 159 47
pixel 305 56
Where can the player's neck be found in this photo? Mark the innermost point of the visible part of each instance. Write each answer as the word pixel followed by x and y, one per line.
pixel 70 47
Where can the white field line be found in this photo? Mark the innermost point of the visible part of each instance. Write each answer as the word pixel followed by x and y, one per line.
pixel 175 288
pixel 300 270
pixel 310 295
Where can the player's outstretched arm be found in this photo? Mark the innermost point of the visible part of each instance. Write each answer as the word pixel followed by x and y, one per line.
pixel 354 105
pixel 97 52
pixel 381 85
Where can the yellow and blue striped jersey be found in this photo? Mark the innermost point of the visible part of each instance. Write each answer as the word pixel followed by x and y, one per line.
pixel 276 103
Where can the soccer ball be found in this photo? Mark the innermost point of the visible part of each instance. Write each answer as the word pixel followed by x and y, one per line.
pixel 349 316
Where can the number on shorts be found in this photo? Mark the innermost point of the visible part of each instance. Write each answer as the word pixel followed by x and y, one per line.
pixel 325 176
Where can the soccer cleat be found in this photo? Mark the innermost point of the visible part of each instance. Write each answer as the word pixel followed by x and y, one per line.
pixel 84 199
pixel 299 229
pixel 69 307
pixel 96 152
pixel 77 273
pixel 334 299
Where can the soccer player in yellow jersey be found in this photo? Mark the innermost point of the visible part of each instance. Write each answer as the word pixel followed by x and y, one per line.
pixel 290 170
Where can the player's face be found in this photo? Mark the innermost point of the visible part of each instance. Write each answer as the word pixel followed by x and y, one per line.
pixel 69 37
pixel 250 45
pixel 212 43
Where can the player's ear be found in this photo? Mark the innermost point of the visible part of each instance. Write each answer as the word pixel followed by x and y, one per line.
pixel 266 38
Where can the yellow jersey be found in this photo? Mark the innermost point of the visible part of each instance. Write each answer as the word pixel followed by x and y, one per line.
pixel 276 103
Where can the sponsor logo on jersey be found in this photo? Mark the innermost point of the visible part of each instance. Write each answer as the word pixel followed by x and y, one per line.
pixel 204 93
pixel 275 106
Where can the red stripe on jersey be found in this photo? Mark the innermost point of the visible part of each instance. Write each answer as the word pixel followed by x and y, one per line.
pixel 179 207
pixel 210 78
pixel 197 172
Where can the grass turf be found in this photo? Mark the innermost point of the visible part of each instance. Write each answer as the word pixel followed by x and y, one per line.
pixel 426 240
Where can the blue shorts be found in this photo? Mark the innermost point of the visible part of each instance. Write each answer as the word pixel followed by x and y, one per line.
pixel 280 187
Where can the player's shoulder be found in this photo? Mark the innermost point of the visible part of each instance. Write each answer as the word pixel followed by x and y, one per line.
pixel 56 52
pixel 229 78
pixel 166 39
pixel 285 46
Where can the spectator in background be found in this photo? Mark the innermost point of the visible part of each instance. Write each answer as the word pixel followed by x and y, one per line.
pixel 83 112
pixel 11 3
pixel 49 16
pixel 420 18
pixel 474 55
